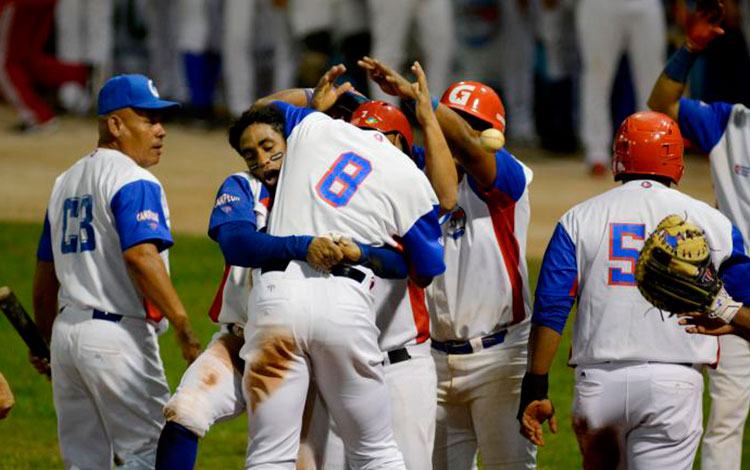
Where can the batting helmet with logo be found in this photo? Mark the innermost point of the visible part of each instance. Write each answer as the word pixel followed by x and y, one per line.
pixel 478 100
pixel 383 117
pixel 648 143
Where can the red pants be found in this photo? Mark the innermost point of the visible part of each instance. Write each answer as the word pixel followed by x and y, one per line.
pixel 24 28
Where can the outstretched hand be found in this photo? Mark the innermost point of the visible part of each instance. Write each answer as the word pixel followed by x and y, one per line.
pixel 705 325
pixel 535 414
pixel 326 92
pixel 390 81
pixel 703 25
pixel 422 93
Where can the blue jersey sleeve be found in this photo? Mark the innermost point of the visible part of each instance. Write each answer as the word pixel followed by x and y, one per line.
pixel 703 123
pixel 243 245
pixel 423 245
pixel 139 215
pixel 234 203
pixel 556 287
pixel 44 250
pixel 385 262
pixel 293 115
pixel 735 271
pixel 510 180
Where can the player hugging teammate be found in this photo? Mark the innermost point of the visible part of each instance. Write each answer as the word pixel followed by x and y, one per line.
pixel 374 310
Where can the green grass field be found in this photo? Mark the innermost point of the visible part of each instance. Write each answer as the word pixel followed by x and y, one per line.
pixel 28 436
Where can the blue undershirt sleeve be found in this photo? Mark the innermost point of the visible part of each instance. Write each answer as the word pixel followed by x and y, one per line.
pixel 510 177
pixel 243 245
pixel 423 245
pixel 735 271
pixel 385 262
pixel 44 250
pixel 556 287
pixel 703 123
pixel 293 115
pixel 234 203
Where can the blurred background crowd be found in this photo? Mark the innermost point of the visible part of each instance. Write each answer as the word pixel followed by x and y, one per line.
pixel 568 70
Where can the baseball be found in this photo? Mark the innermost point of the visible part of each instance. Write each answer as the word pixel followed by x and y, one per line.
pixel 492 139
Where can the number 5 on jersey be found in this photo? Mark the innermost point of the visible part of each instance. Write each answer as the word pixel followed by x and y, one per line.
pixel 623 254
pixel 78 233
pixel 343 178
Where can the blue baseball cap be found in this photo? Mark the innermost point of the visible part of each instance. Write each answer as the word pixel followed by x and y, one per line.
pixel 130 91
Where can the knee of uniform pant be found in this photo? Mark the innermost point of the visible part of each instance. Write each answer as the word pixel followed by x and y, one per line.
pixel 190 409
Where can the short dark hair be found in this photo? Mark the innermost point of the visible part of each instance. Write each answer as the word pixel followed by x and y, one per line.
pixel 267 114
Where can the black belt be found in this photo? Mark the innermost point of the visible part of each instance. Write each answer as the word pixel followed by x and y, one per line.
pixel 338 270
pixel 465 347
pixel 398 355
pixel 113 317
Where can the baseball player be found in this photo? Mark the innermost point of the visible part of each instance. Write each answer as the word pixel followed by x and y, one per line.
pixel 401 312
pixel 721 130
pixel 638 386
pixel 210 389
pixel 335 178
pixel 102 259
pixel 479 308
pixel 6 397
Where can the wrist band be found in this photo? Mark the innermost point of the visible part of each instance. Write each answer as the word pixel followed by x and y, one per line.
pixel 679 65
pixel 533 387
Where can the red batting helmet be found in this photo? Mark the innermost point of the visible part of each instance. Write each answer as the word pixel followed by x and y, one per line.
pixel 383 117
pixel 648 143
pixel 477 100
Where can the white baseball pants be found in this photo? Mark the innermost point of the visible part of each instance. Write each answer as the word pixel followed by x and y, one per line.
pixel 391 21
pixel 729 387
pixel 306 325
pixel 477 400
pixel 210 390
pixel 606 29
pixel 648 413
pixel 411 384
pixel 109 390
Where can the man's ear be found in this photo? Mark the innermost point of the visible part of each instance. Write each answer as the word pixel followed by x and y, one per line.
pixel 115 125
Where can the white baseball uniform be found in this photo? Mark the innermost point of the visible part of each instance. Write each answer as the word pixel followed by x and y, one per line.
pixel 637 372
pixel 107 377
pixel 404 324
pixel 211 389
pixel 335 178
pixel 482 303
pixel 606 29
pixel 722 130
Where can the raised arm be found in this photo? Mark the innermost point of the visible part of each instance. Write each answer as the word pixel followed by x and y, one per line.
pixel 474 158
pixel 702 28
pixel 439 165
pixel 321 98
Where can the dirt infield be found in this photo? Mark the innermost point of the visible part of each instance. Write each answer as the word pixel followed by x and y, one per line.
pixel 196 162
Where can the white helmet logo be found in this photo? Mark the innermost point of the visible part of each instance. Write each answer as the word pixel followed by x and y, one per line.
pixel 152 88
pixel 461 94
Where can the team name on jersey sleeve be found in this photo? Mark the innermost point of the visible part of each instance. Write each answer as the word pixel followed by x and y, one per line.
pixel 139 215
pixel 235 202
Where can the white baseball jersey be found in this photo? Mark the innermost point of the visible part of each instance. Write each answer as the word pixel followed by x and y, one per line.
pixel 103 205
pixel 723 131
pixel 356 183
pixel 241 198
pixel 485 286
pixel 401 314
pixel 592 255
